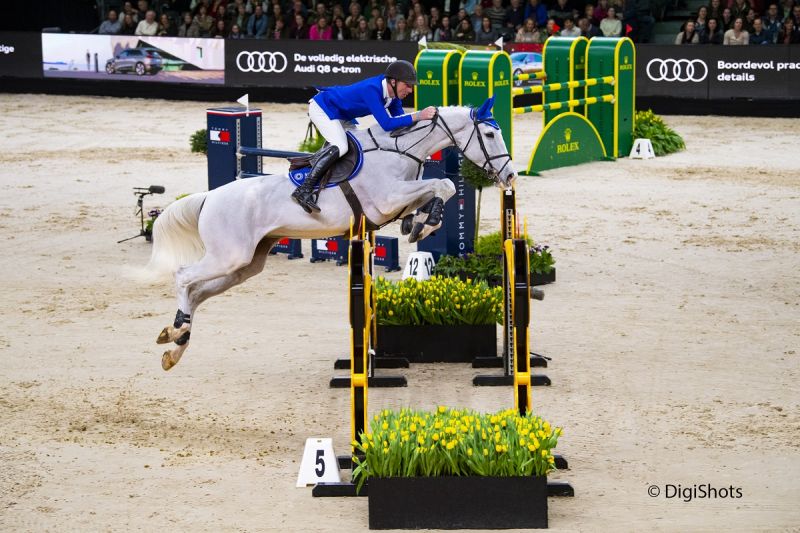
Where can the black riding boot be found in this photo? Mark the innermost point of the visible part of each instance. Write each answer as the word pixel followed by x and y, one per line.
pixel 304 194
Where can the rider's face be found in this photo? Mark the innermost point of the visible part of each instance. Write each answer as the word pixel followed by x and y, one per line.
pixel 402 89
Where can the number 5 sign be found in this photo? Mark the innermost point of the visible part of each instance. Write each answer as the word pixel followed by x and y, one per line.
pixel 319 463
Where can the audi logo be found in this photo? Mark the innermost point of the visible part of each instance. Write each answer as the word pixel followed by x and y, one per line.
pixel 677 70
pixel 261 62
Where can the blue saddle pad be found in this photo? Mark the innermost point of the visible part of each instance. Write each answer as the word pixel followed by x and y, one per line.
pixel 354 158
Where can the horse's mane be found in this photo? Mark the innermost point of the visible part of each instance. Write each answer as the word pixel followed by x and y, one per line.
pixel 388 136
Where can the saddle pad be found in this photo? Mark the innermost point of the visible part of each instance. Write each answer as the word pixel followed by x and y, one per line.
pixel 344 169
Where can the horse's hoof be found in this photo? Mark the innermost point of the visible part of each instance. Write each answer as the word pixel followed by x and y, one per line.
pixel 407 224
pixel 164 336
pixel 166 360
pixel 415 233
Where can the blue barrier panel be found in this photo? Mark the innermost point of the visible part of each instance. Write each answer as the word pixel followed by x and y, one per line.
pixel 228 128
pixel 386 253
pixel 293 248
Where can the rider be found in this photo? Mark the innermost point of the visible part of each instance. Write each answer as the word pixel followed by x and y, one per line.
pixel 333 107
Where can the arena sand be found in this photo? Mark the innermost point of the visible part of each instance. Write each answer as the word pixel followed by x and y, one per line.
pixel 673 329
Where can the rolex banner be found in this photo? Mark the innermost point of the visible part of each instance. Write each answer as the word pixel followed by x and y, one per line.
pixel 297 63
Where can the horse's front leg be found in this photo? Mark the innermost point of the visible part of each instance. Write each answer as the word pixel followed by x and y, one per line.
pixel 426 196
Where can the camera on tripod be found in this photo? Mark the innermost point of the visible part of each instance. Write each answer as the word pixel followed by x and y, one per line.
pixel 145 231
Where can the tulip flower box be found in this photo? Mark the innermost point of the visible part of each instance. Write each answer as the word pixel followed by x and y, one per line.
pixel 437 344
pixel 458 502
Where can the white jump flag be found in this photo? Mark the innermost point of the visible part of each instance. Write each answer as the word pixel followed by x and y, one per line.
pixel 499 43
pixel 245 101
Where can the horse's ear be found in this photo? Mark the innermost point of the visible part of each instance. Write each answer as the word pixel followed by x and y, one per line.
pixel 485 111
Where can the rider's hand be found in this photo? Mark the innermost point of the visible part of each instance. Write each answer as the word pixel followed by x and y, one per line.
pixel 426 114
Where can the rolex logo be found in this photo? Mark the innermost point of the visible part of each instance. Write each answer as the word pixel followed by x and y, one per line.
pixel 474 76
pixel 429 74
pixel 502 75
pixel 626 60
pixel 567 134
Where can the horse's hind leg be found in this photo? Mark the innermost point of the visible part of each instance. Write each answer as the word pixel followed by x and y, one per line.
pixel 203 290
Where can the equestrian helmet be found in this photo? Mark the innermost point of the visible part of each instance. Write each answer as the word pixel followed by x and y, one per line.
pixel 402 71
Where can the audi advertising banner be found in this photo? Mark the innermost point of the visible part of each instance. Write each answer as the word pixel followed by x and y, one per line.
pixel 20 55
pixel 309 63
pixel 718 72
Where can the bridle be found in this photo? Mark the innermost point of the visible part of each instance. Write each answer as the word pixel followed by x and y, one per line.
pixel 440 122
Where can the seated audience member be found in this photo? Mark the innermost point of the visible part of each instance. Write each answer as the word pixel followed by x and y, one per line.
pixel 477 18
pixel 240 18
pixel 401 31
pixel 127 9
pixel 486 34
pixel 165 27
pixel 219 31
pixel 112 25
pixel 749 19
pixel 142 7
pixel 701 20
pixel 560 12
pixel 497 14
pixel 189 27
pixel 537 11
pixel 588 28
pixel 736 35
pixel 759 34
pixel 689 35
pixel 551 30
pixel 236 32
pixel 790 34
pixel 772 23
pixel 421 29
pixel 611 26
pixel 257 24
pixel 601 11
pixel 569 29
pixel 739 8
pixel 528 33
pixel 352 19
pixel 280 31
pixel 300 29
pixel 220 13
pixel 715 10
pixel 444 32
pixel 148 26
pixel 320 11
pixel 381 32
pixel 712 33
pixel 726 22
pixel 204 21
pixel 465 33
pixel 320 31
pixel 361 33
pixel 515 17
pixel 340 31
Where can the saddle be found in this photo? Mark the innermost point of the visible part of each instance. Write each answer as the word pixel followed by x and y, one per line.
pixel 345 169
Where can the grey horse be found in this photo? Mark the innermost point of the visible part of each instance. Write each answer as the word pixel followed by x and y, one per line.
pixel 215 240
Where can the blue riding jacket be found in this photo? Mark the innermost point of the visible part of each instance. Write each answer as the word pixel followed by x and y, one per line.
pixel 349 102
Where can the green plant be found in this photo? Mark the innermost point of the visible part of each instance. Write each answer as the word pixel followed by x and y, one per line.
pixel 437 301
pixel 313 140
pixel 199 141
pixel 455 442
pixel 665 140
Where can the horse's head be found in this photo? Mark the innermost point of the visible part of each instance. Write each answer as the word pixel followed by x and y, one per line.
pixel 484 145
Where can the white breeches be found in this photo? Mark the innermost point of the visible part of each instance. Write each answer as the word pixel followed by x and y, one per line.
pixel 331 129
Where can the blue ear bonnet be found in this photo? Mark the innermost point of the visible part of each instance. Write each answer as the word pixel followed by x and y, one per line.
pixel 484 114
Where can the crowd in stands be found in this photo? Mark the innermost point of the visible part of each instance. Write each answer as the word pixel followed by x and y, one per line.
pixel 466 21
pixel 743 23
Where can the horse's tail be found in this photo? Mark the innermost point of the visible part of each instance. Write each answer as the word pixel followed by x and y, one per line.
pixel 176 240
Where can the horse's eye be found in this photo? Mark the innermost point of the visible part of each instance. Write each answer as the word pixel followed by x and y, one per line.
pixel 490 134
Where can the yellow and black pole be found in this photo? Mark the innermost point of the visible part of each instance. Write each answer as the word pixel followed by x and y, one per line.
pixel 360 282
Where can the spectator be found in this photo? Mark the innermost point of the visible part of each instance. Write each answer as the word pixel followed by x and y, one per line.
pixel 401 32
pixel 712 34
pixel 528 33
pixel 381 32
pixel 435 19
pixel 715 10
pixel 189 28
pixel 277 13
pixel 772 24
pixel 749 19
pixel 236 31
pixel 127 9
pixel 736 35
pixel 204 21
pixel 739 8
pixel 702 19
pixel 789 33
pixel 477 18
pixel 601 11
pixel 340 31
pixel 689 34
pixel 148 26
pixel 461 15
pixel 444 32
pixel 588 29
pixel 551 29
pixel 298 8
pixel 796 15
pixel 786 9
pixel 570 30
pixel 220 14
pixel 112 25
pixel 215 5
pixel 486 34
pixel 515 17
pixel 320 11
pixel 560 12
pixel 362 32
pixel 280 31
pixel 465 33
pixel 759 34
pixel 469 6
pixel 497 14
pixel 391 18
pixel 421 29
pixel 338 11
pixel 320 31
pixel 233 10
pixel 165 27
pixel 257 24
pixel 142 8
pixel 240 17
pixel 300 29
pixel 726 22
pixel 611 26
pixel 352 20
pixel 219 31
pixel 639 16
